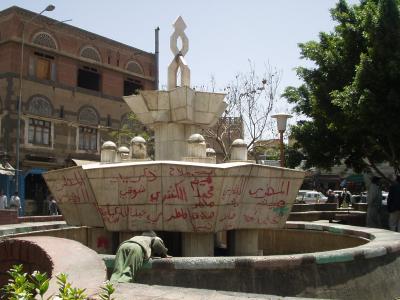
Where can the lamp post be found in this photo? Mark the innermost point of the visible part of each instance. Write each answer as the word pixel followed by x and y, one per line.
pixel 48 8
pixel 281 120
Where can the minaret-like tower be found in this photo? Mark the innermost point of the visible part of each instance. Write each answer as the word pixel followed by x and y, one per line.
pixel 179 112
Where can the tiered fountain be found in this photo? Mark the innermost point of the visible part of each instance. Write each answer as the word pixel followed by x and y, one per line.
pixel 183 190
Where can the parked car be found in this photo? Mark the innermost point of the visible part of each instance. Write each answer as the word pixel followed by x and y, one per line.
pixel 310 197
pixel 384 197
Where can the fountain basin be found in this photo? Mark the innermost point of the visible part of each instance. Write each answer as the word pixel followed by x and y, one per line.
pixel 368 269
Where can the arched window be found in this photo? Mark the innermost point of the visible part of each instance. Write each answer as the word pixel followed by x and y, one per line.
pixel 134 67
pixel 88 136
pixel 44 39
pixel 91 53
pixel 89 116
pixel 39 105
pixel 39 130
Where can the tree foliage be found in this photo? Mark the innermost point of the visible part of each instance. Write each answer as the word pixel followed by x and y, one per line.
pixel 131 127
pixel 351 95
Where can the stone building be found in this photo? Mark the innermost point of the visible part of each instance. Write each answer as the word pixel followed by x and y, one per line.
pixel 71 95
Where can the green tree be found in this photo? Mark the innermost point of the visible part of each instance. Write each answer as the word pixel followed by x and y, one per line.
pixel 131 127
pixel 351 95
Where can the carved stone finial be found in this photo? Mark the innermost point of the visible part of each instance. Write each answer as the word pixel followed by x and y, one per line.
pixel 178 61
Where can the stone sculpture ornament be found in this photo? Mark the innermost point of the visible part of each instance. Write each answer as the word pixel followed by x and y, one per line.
pixel 178 61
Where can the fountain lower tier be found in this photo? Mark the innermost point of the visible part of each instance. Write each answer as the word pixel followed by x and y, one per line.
pixel 175 196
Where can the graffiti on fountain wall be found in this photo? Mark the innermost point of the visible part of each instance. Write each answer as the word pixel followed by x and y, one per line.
pixel 179 198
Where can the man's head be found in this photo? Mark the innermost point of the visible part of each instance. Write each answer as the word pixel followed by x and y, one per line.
pixel 158 248
pixel 16 193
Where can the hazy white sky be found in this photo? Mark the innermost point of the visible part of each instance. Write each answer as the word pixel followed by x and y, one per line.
pixel 223 34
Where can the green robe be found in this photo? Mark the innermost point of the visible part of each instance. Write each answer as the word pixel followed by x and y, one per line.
pixel 131 255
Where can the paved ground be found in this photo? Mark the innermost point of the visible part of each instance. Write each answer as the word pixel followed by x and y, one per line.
pixel 129 291
pixel 30 226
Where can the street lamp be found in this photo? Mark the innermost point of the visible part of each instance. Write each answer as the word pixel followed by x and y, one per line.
pixel 48 8
pixel 281 120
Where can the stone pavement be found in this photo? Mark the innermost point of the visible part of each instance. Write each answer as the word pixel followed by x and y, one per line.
pixel 129 291
pixel 12 229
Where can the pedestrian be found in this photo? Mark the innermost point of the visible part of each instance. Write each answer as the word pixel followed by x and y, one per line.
pixel 393 205
pixel 132 253
pixel 340 198
pixel 3 200
pixel 15 203
pixel 331 197
pixel 53 208
pixel 374 201
pixel 346 197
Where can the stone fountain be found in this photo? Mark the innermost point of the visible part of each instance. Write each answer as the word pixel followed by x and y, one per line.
pixel 183 190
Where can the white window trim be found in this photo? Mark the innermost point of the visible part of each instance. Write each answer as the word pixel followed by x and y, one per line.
pixel 77 141
pixel 26 143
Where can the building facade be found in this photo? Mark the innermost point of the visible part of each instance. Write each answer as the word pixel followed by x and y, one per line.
pixel 71 96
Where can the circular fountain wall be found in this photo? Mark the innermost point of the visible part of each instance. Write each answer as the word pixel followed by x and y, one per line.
pixel 305 260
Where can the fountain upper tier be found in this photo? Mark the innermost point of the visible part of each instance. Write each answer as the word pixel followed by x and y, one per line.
pixel 175 196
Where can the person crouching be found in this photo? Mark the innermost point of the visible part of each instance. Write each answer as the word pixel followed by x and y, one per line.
pixel 132 253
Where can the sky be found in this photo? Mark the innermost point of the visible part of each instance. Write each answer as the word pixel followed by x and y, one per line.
pixel 223 34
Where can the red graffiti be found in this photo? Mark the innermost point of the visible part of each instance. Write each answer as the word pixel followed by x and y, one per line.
pixel 147 175
pixel 74 189
pixel 132 193
pixel 269 191
pixel 227 217
pixel 176 171
pixel 175 192
pixel 113 213
pixel 102 242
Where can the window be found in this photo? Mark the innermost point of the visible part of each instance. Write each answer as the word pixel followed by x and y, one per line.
pixel 88 134
pixel 39 132
pixel 91 53
pixel 43 69
pixel 134 67
pixel 44 39
pixel 39 105
pixel 132 86
pixel 88 115
pixel 87 138
pixel 42 66
pixel 89 78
